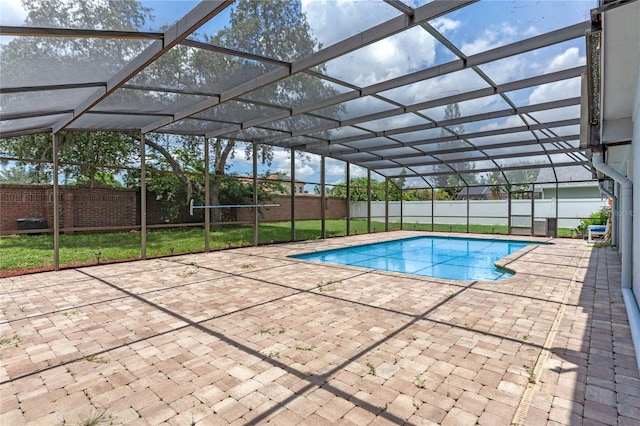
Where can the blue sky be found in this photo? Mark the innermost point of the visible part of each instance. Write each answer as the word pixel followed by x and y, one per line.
pixel 481 26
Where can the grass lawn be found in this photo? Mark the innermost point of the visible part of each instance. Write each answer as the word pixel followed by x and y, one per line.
pixel 35 252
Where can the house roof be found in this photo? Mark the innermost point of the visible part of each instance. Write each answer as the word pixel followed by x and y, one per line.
pixel 576 176
pixel 566 174
pixel 514 113
pixel 474 190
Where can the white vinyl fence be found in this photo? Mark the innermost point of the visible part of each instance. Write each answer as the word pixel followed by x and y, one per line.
pixel 481 212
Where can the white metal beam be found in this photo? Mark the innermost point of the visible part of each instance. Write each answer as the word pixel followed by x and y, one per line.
pixel 393 26
pixel 199 15
pixel 515 85
pixel 501 52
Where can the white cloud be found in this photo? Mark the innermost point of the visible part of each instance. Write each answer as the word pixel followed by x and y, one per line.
pixel 282 161
pixel 561 89
pixel 554 91
pixel 410 50
pixel 304 171
pixel 357 171
pixel 531 31
pixel 570 58
pixel 445 25
pixel 492 37
pixel 332 21
pixel 508 69
pixel 282 164
pixel 12 12
pixel 436 88
pixel 335 20
pixel 506 123
pixel 337 170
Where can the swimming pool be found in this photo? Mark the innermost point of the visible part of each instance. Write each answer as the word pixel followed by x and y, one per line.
pixel 440 257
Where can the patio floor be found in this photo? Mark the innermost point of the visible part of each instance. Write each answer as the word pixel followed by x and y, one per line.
pixel 250 336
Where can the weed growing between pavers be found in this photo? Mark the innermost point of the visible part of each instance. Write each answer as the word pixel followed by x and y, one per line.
pixel 327 285
pixel 531 368
pixel 96 417
pixel 301 347
pixel 271 331
pixel 192 268
pixel 7 341
pixel 96 359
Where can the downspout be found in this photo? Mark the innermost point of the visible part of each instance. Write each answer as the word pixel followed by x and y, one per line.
pixel 614 212
pixel 631 306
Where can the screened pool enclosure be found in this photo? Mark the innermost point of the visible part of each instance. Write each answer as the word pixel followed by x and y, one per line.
pixel 354 116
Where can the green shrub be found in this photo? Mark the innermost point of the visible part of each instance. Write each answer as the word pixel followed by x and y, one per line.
pixel 599 217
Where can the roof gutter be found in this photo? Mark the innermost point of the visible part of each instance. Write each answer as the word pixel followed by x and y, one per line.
pixel 626 215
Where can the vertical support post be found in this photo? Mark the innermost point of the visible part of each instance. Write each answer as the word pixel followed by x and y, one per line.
pixel 555 232
pixel 614 214
pixel 255 193
pixel 207 197
pixel 386 204
pixel 323 199
pixel 143 198
pixel 56 205
pixel 401 214
pixel 533 205
pixel 348 198
pixel 368 201
pixel 468 209
pixel 433 206
pixel 293 194
pixel 509 195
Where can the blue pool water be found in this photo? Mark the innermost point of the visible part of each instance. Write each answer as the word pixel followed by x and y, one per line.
pixel 441 257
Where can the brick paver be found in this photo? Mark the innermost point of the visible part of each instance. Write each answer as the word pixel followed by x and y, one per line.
pixel 252 336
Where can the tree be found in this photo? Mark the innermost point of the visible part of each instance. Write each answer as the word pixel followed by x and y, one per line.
pixel 88 158
pixel 449 182
pixel 64 56
pixel 358 190
pixel 518 180
pixel 276 29
pixel 69 60
pixel 397 185
pixel 36 147
pixel 495 180
pixel 17 175
pixel 521 179
pixel 273 28
pixel 417 195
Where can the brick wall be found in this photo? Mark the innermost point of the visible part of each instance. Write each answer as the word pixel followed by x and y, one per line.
pixel 17 201
pixel 101 207
pixel 79 207
pixel 307 208
pixel 87 207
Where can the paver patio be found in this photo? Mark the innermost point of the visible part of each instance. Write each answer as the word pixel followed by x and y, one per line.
pixel 250 336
